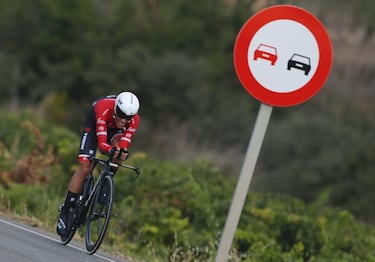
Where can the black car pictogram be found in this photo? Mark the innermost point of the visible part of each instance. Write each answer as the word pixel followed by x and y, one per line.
pixel 300 62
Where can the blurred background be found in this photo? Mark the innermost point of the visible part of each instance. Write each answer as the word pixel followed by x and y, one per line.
pixel 56 57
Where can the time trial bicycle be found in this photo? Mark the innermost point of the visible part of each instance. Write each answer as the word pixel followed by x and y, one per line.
pixel 94 204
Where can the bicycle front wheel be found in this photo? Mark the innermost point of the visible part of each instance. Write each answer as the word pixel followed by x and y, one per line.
pixel 99 214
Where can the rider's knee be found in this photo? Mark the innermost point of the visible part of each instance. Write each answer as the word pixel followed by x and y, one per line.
pixel 84 168
pixel 115 140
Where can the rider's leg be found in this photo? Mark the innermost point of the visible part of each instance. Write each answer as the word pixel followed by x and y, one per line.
pixel 76 183
pixel 74 189
pixel 87 148
pixel 115 139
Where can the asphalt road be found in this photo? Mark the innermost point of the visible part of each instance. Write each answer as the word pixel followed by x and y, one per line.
pixel 21 243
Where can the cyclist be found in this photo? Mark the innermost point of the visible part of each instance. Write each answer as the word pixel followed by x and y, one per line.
pixel 109 127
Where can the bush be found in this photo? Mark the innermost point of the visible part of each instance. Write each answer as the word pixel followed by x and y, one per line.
pixel 176 211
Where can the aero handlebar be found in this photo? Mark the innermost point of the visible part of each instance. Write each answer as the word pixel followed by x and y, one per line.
pixel 137 170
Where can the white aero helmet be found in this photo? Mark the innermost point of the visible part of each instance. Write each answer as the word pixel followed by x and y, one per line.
pixel 127 105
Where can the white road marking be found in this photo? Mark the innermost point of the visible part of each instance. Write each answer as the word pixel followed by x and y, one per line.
pixel 51 238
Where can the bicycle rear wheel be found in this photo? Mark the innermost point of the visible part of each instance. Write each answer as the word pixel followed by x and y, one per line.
pixel 79 217
pixel 99 214
pixel 66 239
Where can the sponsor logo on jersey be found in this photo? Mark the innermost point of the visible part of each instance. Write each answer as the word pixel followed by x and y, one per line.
pixel 100 121
pixel 105 112
pixel 83 141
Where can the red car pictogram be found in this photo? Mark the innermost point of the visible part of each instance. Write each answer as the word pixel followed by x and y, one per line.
pixel 266 52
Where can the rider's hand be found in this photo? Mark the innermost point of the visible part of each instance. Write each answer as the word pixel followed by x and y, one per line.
pixel 114 152
pixel 119 154
pixel 124 154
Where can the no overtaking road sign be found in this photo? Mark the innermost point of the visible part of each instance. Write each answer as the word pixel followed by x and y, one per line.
pixel 283 55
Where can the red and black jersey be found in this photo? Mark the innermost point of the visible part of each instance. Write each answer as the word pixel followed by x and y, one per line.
pixel 104 112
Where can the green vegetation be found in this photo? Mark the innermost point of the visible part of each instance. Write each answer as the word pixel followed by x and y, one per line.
pixel 56 57
pixel 174 212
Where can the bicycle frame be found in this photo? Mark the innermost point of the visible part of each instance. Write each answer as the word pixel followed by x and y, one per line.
pixel 107 164
pixel 105 172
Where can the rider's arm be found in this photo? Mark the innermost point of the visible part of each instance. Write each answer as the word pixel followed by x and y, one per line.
pixel 127 136
pixel 101 133
pixel 102 113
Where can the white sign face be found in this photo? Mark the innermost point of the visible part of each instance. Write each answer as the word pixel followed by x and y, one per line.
pixel 283 56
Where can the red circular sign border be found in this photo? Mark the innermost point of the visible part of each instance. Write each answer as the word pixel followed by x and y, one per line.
pixel 249 29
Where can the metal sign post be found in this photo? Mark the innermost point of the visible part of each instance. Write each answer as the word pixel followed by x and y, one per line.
pixel 244 180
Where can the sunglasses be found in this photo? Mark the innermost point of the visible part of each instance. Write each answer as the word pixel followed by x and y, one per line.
pixel 123 116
